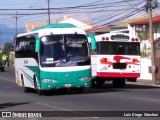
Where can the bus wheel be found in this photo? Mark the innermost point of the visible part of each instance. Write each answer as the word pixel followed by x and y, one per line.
pixel 80 90
pixel 25 89
pixel 119 83
pixel 98 82
pixel 93 83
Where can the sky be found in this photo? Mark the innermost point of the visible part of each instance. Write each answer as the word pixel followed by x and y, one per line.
pixel 7 17
pixel 100 12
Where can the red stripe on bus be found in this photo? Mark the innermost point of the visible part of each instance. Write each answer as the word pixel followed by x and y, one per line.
pixel 116 75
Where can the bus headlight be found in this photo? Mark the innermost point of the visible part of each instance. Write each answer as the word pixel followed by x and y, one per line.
pixel 49 81
pixel 85 78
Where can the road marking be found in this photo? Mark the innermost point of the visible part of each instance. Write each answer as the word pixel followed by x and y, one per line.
pixel 51 106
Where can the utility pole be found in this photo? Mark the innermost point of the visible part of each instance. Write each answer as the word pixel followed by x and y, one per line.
pixel 16 23
pixel 16 17
pixel 151 4
pixel 49 12
pixel 16 32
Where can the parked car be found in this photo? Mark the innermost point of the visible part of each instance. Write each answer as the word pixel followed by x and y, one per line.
pixel 2 66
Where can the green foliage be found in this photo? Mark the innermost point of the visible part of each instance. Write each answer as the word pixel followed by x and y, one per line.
pixel 7 48
pixel 145 54
pixel 142 36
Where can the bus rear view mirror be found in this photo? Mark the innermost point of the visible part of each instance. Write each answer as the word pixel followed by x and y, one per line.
pixel 93 41
pixel 38 44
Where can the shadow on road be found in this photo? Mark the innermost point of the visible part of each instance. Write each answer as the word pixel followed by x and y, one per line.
pixel 102 89
pixel 106 88
pixel 4 71
pixel 11 104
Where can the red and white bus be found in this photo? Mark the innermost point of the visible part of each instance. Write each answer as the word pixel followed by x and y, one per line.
pixel 116 58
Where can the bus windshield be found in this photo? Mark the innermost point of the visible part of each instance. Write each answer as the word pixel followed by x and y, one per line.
pixel 118 48
pixel 63 48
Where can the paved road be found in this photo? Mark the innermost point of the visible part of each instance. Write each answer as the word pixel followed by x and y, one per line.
pixel 132 98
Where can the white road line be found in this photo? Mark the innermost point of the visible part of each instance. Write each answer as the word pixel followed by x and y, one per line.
pixel 51 106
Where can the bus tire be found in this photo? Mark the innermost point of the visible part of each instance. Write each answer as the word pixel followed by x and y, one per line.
pixel 93 83
pixel 98 82
pixel 25 89
pixel 119 83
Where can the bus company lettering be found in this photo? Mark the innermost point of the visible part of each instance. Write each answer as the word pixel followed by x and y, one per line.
pixel 25 61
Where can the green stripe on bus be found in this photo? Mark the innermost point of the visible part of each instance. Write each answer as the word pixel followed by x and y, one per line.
pixel 28 77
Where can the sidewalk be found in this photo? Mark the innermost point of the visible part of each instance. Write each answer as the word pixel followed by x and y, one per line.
pixel 144 82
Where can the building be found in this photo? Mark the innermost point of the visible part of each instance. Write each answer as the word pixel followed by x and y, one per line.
pixel 79 23
pixel 31 25
pixel 99 30
pixel 66 19
pixel 142 25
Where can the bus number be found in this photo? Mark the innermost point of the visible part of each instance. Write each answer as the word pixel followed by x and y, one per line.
pixel 25 61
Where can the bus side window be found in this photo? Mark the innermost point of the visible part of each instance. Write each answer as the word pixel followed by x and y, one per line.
pixel 133 50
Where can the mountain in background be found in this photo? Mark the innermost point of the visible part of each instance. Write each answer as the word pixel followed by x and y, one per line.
pixel 7 34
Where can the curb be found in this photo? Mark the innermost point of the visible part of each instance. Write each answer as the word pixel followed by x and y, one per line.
pixel 144 82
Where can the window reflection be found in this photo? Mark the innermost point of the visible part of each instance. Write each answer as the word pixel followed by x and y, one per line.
pixel 69 47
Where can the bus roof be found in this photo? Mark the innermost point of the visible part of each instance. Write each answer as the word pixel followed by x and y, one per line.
pixel 57 25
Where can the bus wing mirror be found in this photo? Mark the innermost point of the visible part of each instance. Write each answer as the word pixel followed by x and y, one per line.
pixel 38 44
pixel 93 41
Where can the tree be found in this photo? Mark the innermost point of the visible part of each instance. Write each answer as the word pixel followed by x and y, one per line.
pixel 7 48
pixel 142 36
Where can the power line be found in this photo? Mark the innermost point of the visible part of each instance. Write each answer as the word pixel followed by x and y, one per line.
pixel 92 8
pixel 111 16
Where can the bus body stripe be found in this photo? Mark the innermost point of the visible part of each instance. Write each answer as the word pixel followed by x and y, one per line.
pixel 118 75
pixel 28 77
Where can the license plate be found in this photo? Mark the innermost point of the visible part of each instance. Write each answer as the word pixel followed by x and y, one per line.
pixel 67 85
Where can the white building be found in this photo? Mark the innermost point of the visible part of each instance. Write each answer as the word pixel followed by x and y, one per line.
pixel 66 19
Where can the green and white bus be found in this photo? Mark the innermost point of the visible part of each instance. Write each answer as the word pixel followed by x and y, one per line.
pixel 53 56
